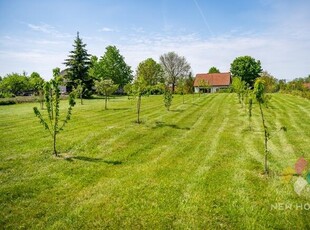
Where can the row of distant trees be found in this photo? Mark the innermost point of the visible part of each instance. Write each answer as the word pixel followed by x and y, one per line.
pixel 87 74
pixel 21 85
pixel 110 71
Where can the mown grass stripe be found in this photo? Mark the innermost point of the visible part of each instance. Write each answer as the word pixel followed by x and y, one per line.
pixel 193 167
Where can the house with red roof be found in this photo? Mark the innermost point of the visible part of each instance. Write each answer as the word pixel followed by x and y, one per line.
pixel 307 85
pixel 211 82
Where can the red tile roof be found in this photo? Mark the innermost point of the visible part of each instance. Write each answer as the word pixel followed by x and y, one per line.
pixel 307 85
pixel 213 79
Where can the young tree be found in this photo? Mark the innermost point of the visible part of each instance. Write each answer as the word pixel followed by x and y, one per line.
pixel 106 88
pixel 271 83
pixel 203 84
pixel 239 88
pixel 175 67
pixel 52 99
pixel 113 66
pixel 247 68
pixel 138 89
pixel 189 83
pixel 213 70
pixel 79 90
pixel 259 91
pixel 78 63
pixel 168 98
pixel 128 90
pixel 249 101
pixel 181 87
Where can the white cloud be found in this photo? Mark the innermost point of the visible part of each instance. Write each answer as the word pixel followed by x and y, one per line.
pixel 282 47
pixel 44 28
pixel 280 56
pixel 40 61
pixel 48 29
pixel 106 29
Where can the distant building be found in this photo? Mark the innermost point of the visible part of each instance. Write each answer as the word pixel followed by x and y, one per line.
pixel 307 85
pixel 63 87
pixel 211 82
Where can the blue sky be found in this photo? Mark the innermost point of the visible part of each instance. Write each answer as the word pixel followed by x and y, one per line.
pixel 37 35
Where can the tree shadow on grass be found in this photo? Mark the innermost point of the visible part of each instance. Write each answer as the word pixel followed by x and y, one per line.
pixel 119 109
pixel 160 124
pixel 176 110
pixel 93 159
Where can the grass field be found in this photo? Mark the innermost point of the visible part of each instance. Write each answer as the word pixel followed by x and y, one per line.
pixel 197 166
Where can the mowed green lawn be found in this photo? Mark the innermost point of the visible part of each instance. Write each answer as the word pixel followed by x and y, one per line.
pixel 197 166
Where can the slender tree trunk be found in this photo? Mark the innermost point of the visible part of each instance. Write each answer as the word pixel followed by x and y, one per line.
pixel 106 102
pixel 250 112
pixel 81 97
pixel 173 86
pixel 266 139
pixel 51 106
pixel 54 144
pixel 41 99
pixel 138 108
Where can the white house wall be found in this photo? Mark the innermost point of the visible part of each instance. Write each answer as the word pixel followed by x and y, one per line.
pixel 213 89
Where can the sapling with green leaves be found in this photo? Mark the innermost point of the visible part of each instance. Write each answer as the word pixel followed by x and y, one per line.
pixel 79 90
pixel 52 100
pixel 259 92
pixel 250 107
pixel 203 84
pixel 168 98
pixel 128 90
pixel 262 99
pixel 106 87
pixel 41 96
pixel 239 88
pixel 138 89
pixel 181 87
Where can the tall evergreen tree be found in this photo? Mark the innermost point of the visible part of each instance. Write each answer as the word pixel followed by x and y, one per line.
pixel 77 64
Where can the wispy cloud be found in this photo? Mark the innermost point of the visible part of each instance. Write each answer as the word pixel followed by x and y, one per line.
pixel 44 28
pixel 41 61
pixel 48 29
pixel 220 51
pixel 107 29
pixel 281 41
pixel 138 29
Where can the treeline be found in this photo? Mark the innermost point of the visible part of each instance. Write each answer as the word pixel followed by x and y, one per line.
pixel 88 75
pixel 20 85
pixel 298 86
